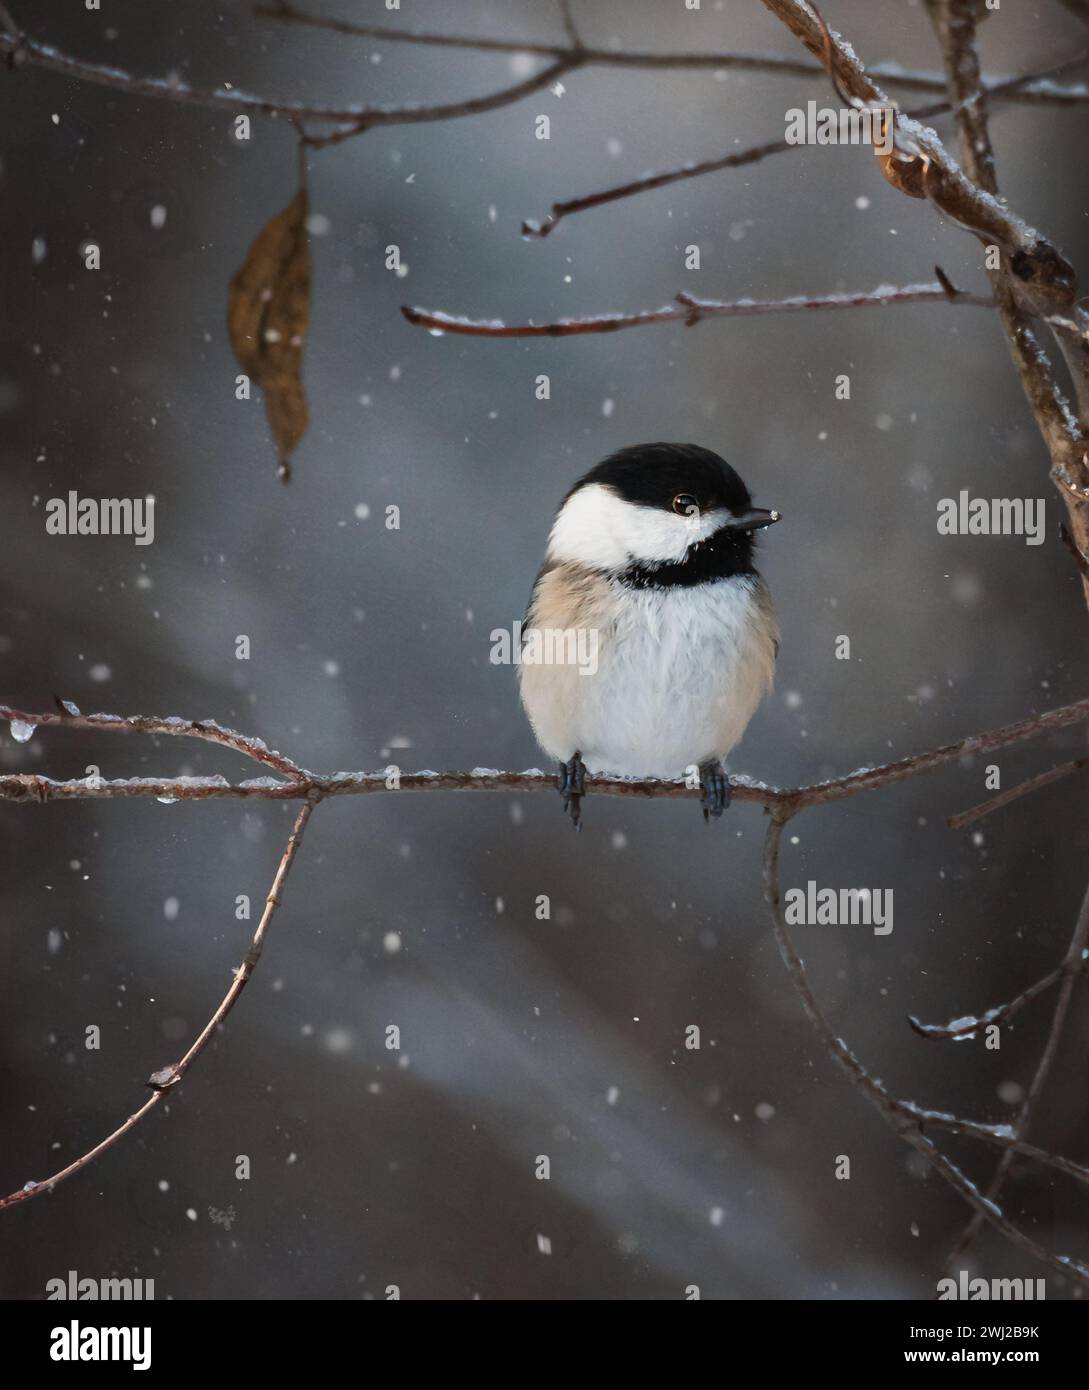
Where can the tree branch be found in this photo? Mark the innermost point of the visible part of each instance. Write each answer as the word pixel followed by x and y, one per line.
pixel 354 119
pixel 689 310
pixel 24 787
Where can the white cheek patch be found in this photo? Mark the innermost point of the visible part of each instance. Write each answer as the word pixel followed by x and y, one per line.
pixel 598 529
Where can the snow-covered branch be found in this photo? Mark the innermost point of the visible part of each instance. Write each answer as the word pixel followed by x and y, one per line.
pixel 298 783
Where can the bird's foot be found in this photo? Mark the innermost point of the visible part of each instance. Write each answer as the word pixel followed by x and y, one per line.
pixel 716 790
pixel 572 787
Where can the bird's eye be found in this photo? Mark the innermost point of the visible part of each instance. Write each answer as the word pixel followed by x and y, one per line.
pixel 684 504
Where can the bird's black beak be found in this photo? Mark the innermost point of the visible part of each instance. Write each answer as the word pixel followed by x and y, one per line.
pixel 755 519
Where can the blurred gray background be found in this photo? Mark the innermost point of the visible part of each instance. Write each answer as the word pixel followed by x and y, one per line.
pixel 519 1037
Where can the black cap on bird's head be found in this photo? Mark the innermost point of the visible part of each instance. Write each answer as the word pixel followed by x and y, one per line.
pixel 682 478
pixel 657 515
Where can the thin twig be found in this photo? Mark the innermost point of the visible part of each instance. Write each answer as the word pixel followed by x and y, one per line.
pixel 356 119
pixel 1033 784
pixel 473 106
pixel 1000 1013
pixel 569 26
pixel 8 24
pixel 165 1079
pixel 208 730
pixel 737 159
pixel 688 310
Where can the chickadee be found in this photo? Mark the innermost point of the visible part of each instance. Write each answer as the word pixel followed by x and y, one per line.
pixel 650 638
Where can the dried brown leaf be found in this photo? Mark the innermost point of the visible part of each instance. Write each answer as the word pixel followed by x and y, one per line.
pixel 268 310
pixel 907 174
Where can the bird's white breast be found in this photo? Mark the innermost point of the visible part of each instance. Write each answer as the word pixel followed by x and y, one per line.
pixel 680 672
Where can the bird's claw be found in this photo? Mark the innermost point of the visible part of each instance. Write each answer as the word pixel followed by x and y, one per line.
pixel 716 790
pixel 572 787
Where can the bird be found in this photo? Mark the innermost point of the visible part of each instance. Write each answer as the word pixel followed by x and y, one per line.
pixel 650 638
